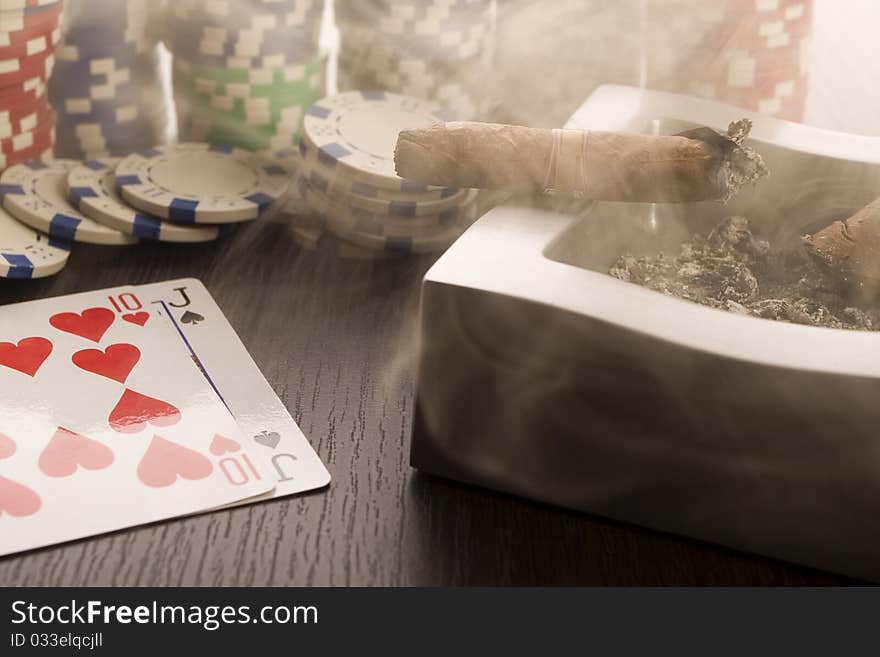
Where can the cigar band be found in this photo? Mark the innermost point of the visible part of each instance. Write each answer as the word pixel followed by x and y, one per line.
pixel 566 170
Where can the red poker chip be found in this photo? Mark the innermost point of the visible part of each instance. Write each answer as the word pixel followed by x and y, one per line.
pixel 43 40
pixel 22 96
pixel 27 104
pixel 18 70
pixel 19 27
pixel 15 123
pixel 42 136
pixel 35 152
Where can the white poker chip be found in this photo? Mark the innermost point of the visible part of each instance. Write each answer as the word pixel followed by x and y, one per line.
pixel 388 224
pixel 91 188
pixel 26 253
pixel 399 204
pixel 356 133
pixel 202 183
pixel 35 193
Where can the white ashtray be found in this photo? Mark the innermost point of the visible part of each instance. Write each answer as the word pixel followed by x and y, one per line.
pixel 542 376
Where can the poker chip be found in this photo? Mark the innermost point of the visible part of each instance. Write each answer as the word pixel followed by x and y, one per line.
pixel 243 34
pixel 248 137
pixel 355 132
pixel 39 138
pixel 436 50
pixel 40 39
pixel 106 90
pixel 454 85
pixel 354 228
pixel 347 186
pixel 402 205
pixel 22 24
pixel 437 29
pixel 309 230
pixel 91 188
pixel 35 193
pixel 761 65
pixel 26 253
pixel 397 225
pixel 244 72
pixel 25 117
pixel 17 70
pixel 202 183
pixel 29 32
pixel 411 193
pixel 260 113
pixel 35 152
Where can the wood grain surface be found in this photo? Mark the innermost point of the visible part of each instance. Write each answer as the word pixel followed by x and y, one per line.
pixel 335 338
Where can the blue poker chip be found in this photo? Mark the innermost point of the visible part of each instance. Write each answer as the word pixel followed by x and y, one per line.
pixel 69 147
pixel 106 84
pixel 84 130
pixel 87 44
pixel 92 77
pixel 75 112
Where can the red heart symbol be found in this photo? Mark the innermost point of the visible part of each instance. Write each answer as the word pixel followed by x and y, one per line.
pixel 165 461
pixel 92 324
pixel 137 318
pixel 67 451
pixel 7 446
pixel 221 444
pixel 115 362
pixel 26 357
pixel 134 410
pixel 17 499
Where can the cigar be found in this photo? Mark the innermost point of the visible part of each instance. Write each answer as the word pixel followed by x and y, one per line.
pixel 851 248
pixel 698 165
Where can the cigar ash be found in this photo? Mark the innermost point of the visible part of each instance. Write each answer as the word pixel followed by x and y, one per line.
pixel 732 269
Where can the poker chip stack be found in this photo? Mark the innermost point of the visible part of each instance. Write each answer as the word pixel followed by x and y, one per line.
pixel 245 70
pixel 348 198
pixel 106 87
pixel 437 50
pixel 29 32
pixel 752 55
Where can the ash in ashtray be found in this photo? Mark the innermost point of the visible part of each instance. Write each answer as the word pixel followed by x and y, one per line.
pixel 733 270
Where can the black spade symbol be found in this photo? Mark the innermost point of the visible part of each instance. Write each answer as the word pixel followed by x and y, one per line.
pixel 189 317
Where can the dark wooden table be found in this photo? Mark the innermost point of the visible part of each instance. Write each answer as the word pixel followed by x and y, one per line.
pixel 336 340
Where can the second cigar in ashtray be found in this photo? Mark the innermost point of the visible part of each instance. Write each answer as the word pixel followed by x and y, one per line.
pixel 698 165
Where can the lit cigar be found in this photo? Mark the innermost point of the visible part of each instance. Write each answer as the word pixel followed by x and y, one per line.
pixel 698 165
pixel 851 248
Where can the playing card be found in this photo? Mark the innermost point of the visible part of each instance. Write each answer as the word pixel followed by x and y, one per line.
pixel 106 423
pixel 226 363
